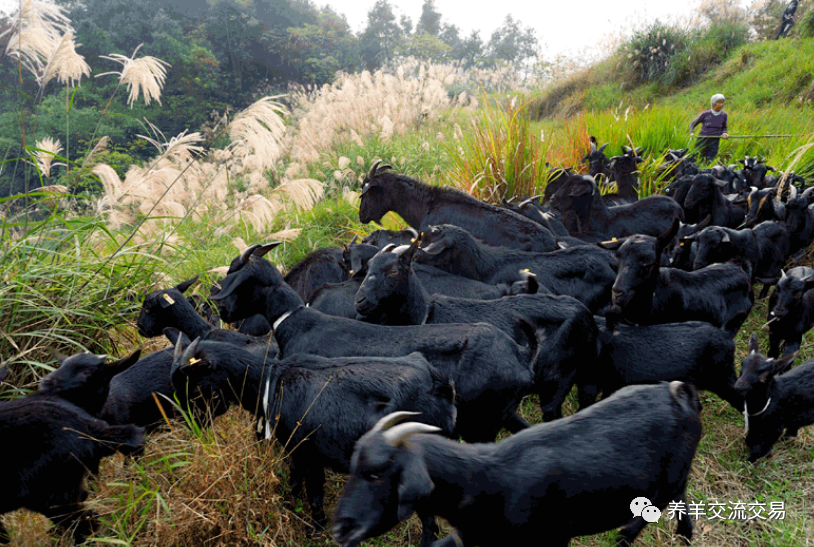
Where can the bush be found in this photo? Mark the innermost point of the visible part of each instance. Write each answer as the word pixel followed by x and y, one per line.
pixel 647 55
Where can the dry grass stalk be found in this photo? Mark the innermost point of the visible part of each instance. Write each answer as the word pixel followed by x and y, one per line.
pixel 44 157
pixel 145 73
pixel 65 64
pixel 258 132
pixel 36 31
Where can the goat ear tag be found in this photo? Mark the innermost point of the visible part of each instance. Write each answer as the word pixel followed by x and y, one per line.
pixel 193 360
pixel 169 299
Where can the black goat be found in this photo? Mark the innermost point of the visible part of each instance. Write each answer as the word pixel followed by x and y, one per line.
pixel 775 400
pixel 49 446
pixel 328 265
pixel 599 166
pixel 705 196
pixel 763 248
pixel 421 205
pixel 800 221
pixel 338 298
pixel 693 351
pixel 646 294
pixel 585 273
pixel 84 379
pixel 624 169
pixel 764 204
pixel 392 294
pixel 490 371
pixel 680 252
pixel 791 310
pixel 651 215
pixel 168 308
pixel 638 442
pixel 330 403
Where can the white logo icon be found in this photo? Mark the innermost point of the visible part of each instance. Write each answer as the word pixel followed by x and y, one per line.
pixel 641 507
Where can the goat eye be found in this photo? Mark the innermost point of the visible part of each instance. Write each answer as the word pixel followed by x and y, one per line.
pixel 394 272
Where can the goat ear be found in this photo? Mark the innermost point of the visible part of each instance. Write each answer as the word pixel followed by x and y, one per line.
pixel 165 300
pixel 409 255
pixel 665 238
pixel 123 364
pixel 236 281
pixel 808 282
pixel 584 158
pixel 184 285
pixel 415 485
pixel 612 244
pixel 753 344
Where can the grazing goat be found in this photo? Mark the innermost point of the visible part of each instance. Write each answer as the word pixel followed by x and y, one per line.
pixel 84 379
pixel 638 442
pixel 800 221
pixel 791 310
pixel 168 308
pixel 585 273
pixel 568 329
pixel 651 215
pixel 775 400
pixel 316 406
pixel 421 205
pixel 49 446
pixel 693 351
pixel 764 204
pixel 490 371
pixel 646 294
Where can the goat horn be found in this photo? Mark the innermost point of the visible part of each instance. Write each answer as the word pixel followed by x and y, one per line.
pixel 353 241
pixel 392 419
pixel 372 172
pixel 413 231
pixel 244 258
pixel 529 200
pixel 263 249
pixel 782 274
pixel 593 146
pixel 388 248
pixel 399 434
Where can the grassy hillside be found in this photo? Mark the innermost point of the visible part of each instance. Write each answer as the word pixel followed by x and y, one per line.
pixel 74 270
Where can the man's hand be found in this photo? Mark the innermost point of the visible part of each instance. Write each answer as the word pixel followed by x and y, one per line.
pixel 725 135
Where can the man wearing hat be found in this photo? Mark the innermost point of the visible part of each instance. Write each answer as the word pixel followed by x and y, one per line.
pixel 713 124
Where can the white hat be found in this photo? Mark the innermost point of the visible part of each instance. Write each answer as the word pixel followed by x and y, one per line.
pixel 717 97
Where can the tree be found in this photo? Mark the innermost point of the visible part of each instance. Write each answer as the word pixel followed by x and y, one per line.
pixel 382 35
pixel 430 20
pixel 512 43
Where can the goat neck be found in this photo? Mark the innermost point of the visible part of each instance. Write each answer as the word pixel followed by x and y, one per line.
pixel 410 198
pixel 189 321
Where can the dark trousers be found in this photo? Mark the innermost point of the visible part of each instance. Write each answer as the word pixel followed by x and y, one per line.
pixel 707 148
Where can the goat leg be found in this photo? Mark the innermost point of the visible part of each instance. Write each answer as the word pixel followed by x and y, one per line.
pixel 429 529
pixel 630 532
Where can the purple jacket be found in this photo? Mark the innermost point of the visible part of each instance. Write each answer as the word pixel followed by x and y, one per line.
pixel 712 125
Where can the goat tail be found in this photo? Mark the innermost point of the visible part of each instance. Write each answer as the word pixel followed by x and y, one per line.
pixel 532 348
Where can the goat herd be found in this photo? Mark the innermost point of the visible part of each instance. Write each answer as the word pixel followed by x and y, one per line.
pixel 375 358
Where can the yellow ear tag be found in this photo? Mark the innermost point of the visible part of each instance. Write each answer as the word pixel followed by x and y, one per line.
pixel 169 299
pixel 351 272
pixel 613 239
pixel 526 270
pixel 412 240
pixel 193 360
